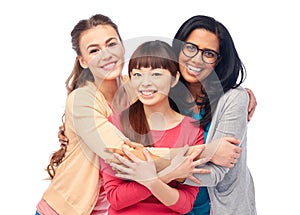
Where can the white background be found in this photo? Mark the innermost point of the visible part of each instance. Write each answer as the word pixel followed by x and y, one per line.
pixel 36 58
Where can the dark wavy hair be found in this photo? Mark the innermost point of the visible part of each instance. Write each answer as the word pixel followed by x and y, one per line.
pixel 229 72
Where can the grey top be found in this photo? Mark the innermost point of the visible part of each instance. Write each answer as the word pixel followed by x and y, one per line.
pixel 231 191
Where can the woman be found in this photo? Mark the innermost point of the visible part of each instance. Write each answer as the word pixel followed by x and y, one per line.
pixel 153 70
pixel 76 186
pixel 212 72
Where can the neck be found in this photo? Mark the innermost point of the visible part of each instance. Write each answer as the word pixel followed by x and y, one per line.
pixel 108 88
pixel 195 89
pixel 162 116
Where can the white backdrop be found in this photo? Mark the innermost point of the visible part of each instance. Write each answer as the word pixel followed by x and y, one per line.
pixel 36 58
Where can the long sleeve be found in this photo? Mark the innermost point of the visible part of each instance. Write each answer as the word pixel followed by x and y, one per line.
pixel 121 193
pixel 230 119
pixel 88 111
pixel 187 196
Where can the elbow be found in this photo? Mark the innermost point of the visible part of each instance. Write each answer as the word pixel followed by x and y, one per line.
pixel 188 206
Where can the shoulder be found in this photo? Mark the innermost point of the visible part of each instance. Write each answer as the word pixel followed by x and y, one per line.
pixel 236 96
pixel 86 96
pixel 189 124
pixel 238 92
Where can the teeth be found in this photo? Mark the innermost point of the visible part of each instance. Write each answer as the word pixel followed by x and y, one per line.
pixel 194 69
pixel 109 66
pixel 147 92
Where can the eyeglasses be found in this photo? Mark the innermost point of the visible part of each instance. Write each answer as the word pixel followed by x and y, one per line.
pixel 208 56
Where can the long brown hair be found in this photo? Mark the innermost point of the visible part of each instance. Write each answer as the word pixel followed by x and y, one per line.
pixel 77 77
pixel 152 54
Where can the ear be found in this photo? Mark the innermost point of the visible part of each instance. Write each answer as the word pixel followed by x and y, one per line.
pixel 175 79
pixel 82 62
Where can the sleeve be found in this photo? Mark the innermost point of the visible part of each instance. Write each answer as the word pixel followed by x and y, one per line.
pixel 230 119
pixel 117 190
pixel 187 197
pixel 88 111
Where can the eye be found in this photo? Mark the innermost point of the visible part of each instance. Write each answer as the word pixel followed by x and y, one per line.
pixel 92 51
pixel 112 44
pixel 156 74
pixel 136 74
pixel 209 54
pixel 191 48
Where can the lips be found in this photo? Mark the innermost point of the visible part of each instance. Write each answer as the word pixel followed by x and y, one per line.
pixel 109 66
pixel 193 70
pixel 147 93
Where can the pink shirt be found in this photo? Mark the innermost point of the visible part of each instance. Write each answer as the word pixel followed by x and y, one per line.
pixel 128 197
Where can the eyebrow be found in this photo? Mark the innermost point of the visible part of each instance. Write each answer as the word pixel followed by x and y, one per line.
pixel 107 41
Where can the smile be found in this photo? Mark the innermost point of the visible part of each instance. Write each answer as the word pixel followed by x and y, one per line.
pixel 109 66
pixel 147 92
pixel 193 69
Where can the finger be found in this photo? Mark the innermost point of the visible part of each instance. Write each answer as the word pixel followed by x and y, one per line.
pixel 237 155
pixel 123 160
pixel 114 150
pixel 201 171
pixel 121 169
pixel 133 144
pixel 231 165
pixel 147 154
pixel 238 150
pixel 201 161
pixel 192 178
pixel 232 140
pixel 250 113
pixel 124 176
pixel 131 156
pixel 182 151
pixel 61 128
pixel 197 152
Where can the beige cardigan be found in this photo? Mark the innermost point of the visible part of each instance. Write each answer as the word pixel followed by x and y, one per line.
pixel 75 187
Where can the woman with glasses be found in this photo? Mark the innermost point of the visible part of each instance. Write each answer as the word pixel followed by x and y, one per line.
pixel 212 72
pixel 211 69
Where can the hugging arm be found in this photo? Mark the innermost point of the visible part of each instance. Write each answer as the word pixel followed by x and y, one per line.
pixel 179 198
pixel 230 119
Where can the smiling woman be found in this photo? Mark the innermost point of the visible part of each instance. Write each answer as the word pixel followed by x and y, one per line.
pixel 153 70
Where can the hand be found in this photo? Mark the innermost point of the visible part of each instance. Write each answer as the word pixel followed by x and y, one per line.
pixel 252 103
pixel 136 149
pixel 227 152
pixel 184 166
pixel 135 169
pixel 61 136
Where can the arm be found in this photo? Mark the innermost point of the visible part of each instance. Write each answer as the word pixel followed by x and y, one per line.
pixel 178 198
pixel 87 115
pixel 230 119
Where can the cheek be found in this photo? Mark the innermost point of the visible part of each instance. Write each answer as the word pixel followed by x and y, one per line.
pixel 134 84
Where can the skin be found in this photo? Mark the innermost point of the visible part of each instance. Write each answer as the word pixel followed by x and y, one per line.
pixel 204 40
pixel 152 88
pixel 104 56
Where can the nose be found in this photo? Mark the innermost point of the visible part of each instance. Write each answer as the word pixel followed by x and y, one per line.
pixel 198 58
pixel 146 80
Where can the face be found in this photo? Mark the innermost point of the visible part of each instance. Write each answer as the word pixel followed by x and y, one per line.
pixel 152 85
pixel 102 52
pixel 193 69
